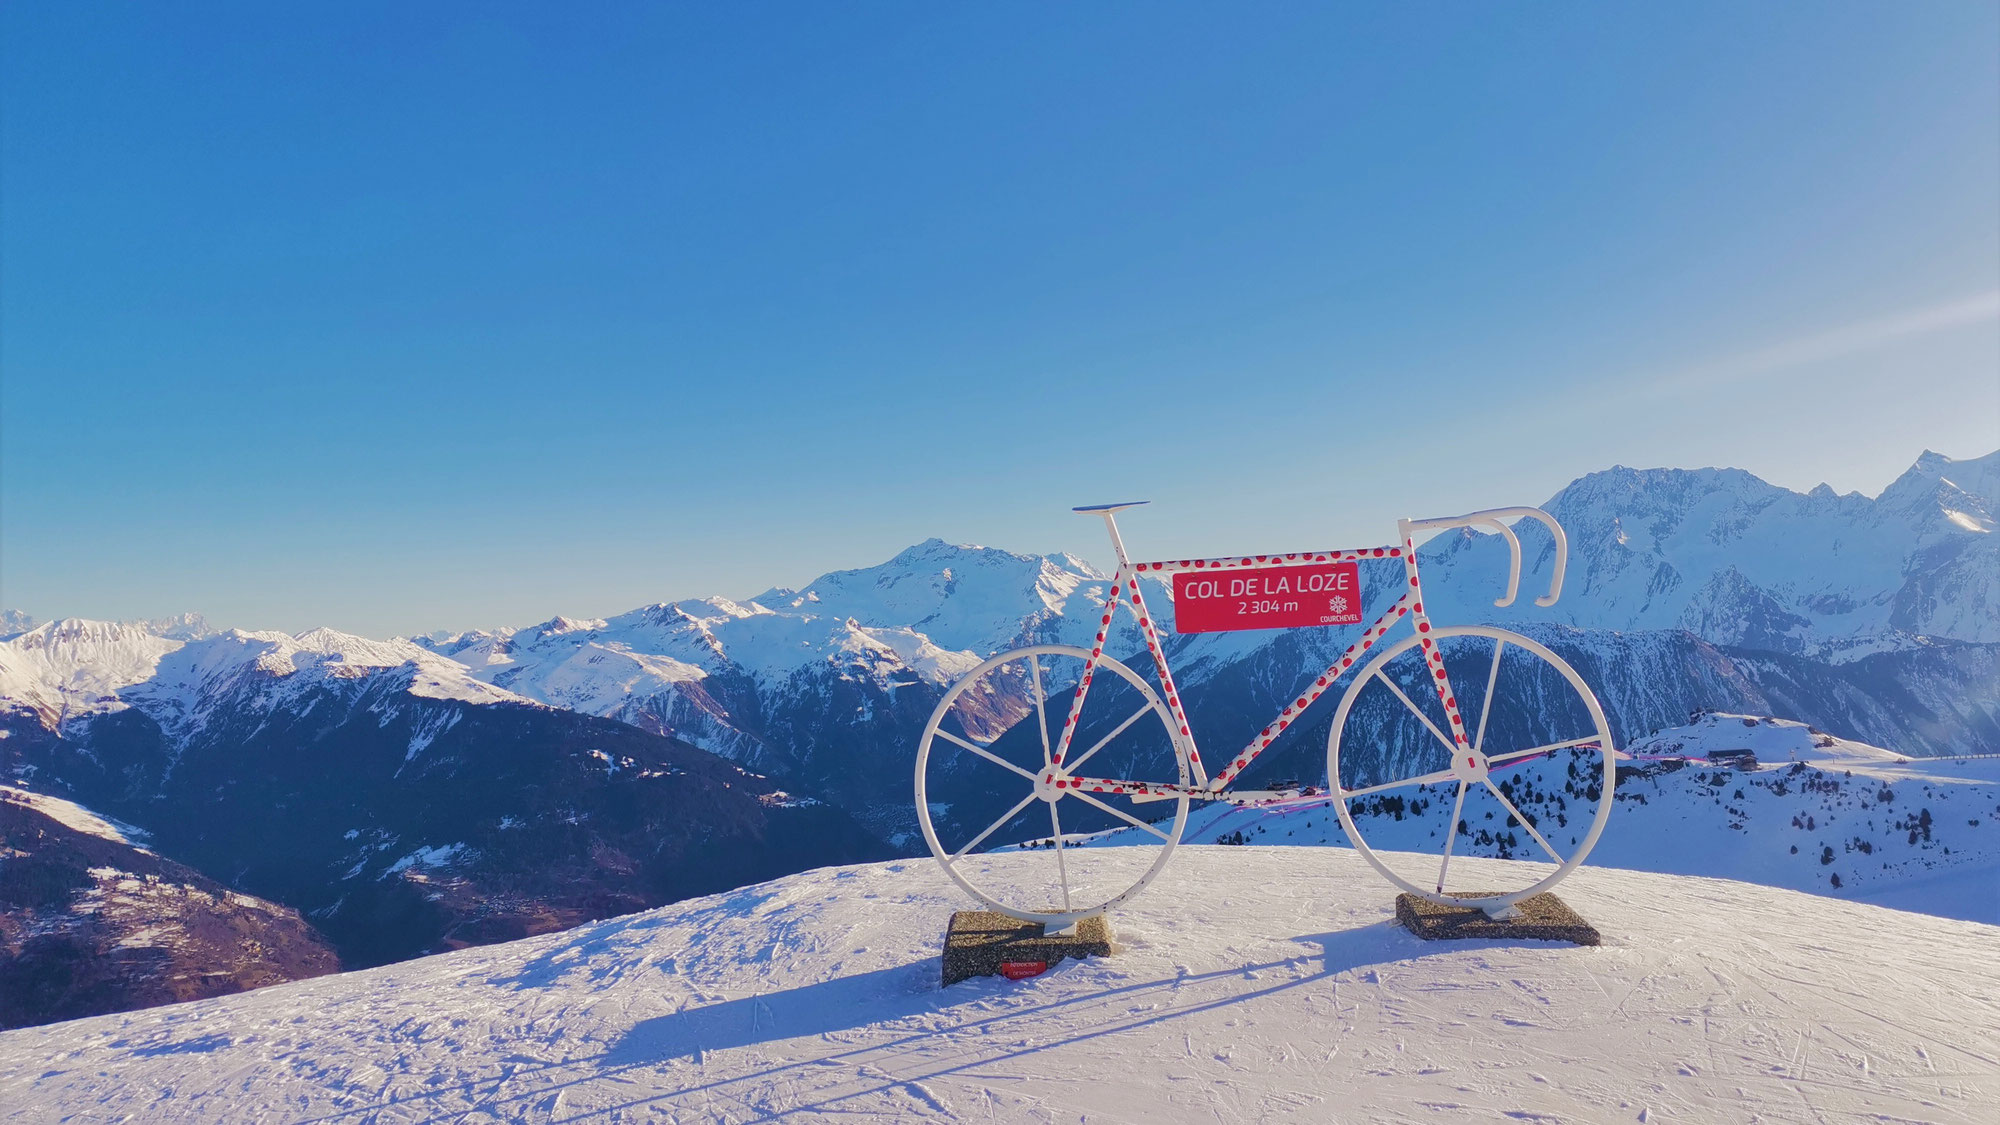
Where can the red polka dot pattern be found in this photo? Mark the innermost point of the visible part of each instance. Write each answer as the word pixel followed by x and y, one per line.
pixel 1254 561
pixel 1061 749
pixel 1319 687
pixel 1409 604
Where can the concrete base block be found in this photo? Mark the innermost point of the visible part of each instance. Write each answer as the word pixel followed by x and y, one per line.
pixel 1543 917
pixel 984 943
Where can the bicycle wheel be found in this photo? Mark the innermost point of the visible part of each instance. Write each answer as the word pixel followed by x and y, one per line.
pixel 985 778
pixel 1536 784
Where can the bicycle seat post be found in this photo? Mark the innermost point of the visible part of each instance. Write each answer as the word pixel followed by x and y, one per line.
pixel 1110 514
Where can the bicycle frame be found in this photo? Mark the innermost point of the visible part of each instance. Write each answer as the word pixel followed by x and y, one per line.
pixel 1126 582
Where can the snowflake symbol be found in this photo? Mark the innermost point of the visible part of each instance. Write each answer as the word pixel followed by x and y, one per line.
pixel 1337 604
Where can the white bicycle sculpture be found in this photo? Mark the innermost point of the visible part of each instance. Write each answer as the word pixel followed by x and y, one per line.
pixel 1533 704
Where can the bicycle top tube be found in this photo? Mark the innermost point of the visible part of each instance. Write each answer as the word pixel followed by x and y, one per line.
pixel 1259 562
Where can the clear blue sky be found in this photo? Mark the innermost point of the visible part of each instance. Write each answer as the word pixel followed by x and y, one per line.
pixel 398 317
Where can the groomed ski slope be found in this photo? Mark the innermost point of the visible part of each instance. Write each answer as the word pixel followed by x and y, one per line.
pixel 1259 984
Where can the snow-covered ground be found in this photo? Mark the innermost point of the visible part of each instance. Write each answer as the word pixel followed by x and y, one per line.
pixel 1258 984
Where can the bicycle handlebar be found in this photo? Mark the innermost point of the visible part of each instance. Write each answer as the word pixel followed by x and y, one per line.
pixel 1491 518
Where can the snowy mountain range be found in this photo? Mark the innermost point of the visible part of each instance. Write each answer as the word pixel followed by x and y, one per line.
pixel 1740 562
pixel 417 793
pixel 1877 619
pixel 1715 553
pixel 400 803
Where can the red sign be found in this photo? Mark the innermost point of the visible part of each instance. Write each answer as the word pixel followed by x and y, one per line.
pixel 1282 597
pixel 1022 970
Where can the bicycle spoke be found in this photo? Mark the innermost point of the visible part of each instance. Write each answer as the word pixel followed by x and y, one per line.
pixel 1517 815
pixel 1486 704
pixel 1425 779
pixel 1074 764
pixel 1041 716
pixel 1131 820
pixel 1534 700
pixel 1451 834
pixel 1515 755
pixel 995 826
pixel 1062 865
pixel 956 795
pixel 1449 745
pixel 984 753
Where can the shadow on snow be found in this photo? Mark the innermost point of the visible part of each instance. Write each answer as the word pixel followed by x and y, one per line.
pixel 933 1032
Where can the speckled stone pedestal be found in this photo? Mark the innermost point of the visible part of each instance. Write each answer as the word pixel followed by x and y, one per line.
pixel 1544 917
pixel 984 943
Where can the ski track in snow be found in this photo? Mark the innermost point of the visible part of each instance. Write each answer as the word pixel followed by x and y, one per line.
pixel 1257 984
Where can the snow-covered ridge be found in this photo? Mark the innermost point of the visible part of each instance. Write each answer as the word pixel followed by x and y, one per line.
pixel 93 923
pixel 61 669
pixel 964 598
pixel 76 816
pixel 925 616
pixel 1739 561
pixel 67 669
pixel 1256 984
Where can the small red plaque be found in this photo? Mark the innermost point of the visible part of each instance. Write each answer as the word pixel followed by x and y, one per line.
pixel 1022 970
pixel 1281 597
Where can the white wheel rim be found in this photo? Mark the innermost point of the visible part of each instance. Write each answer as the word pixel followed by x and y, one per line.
pixel 1526 644
pixel 952 866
